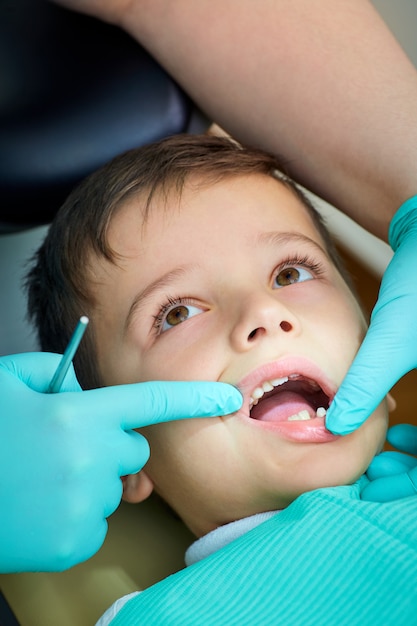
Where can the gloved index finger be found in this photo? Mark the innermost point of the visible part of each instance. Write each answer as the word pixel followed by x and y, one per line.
pixel 143 404
pixel 389 348
pixel 367 382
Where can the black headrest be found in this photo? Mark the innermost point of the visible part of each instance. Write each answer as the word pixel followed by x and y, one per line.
pixel 75 92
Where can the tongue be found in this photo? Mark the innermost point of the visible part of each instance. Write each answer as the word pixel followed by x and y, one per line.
pixel 280 406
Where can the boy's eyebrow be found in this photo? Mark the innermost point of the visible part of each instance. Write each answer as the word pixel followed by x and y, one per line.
pixel 281 238
pixel 157 285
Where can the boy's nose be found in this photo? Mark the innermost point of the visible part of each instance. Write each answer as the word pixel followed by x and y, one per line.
pixel 260 318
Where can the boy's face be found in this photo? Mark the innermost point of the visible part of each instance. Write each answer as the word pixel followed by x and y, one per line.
pixel 232 283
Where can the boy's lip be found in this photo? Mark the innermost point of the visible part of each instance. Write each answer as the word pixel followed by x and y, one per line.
pixel 290 368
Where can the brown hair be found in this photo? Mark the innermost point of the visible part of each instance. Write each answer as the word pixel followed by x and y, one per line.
pixel 58 282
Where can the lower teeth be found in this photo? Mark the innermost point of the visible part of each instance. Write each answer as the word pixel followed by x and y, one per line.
pixel 301 416
pixel 304 415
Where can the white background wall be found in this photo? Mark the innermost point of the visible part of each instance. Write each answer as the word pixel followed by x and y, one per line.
pixel 15 333
pixel 401 17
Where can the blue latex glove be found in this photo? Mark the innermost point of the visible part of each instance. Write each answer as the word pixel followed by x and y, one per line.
pixel 394 475
pixel 389 349
pixel 62 455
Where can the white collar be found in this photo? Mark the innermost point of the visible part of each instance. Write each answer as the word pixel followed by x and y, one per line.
pixel 221 536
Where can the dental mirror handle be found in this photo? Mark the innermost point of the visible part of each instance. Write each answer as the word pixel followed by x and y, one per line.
pixel 71 349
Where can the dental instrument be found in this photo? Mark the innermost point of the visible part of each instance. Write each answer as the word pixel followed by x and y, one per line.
pixel 71 349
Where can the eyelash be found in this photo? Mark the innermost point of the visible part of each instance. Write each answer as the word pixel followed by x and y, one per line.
pixel 315 267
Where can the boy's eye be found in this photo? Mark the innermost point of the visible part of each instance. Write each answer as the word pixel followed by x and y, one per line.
pixel 292 275
pixel 178 314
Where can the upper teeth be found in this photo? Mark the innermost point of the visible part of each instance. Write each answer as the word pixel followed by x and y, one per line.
pixel 268 385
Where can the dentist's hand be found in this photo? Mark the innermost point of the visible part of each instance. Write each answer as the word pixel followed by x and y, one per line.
pixel 62 455
pixel 394 475
pixel 389 349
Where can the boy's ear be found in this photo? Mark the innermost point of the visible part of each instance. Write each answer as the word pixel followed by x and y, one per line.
pixel 391 403
pixel 136 487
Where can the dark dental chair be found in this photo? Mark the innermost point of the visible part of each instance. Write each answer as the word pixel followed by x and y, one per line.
pixel 74 93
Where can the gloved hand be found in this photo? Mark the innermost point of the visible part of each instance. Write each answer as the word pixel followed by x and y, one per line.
pixel 389 349
pixel 62 455
pixel 394 475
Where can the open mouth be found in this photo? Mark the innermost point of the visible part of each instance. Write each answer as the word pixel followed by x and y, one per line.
pixel 290 398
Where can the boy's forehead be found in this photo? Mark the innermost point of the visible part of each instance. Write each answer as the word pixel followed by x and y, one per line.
pixel 202 208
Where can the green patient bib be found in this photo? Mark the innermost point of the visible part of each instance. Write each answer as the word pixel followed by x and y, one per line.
pixel 329 559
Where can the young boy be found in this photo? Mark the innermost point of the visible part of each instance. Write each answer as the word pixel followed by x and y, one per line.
pixel 195 259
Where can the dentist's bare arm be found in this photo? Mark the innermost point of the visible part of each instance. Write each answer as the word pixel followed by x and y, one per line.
pixel 321 82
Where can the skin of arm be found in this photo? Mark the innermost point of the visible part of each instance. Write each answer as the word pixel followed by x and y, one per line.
pixel 322 83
